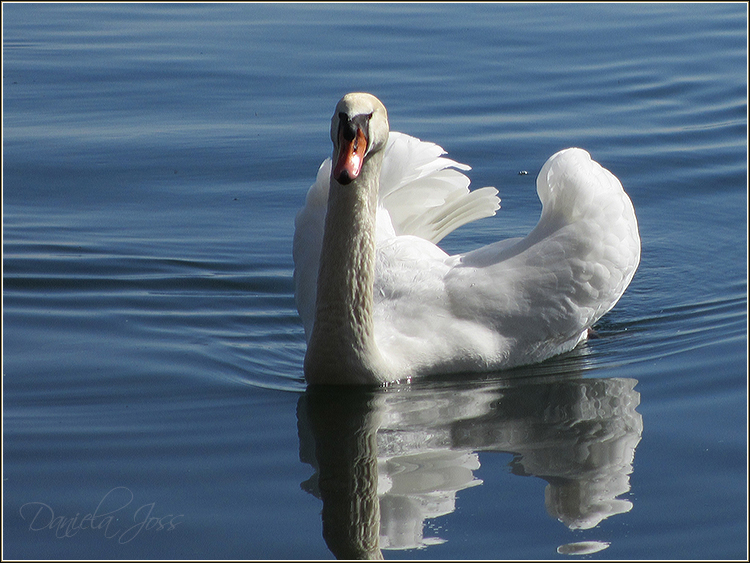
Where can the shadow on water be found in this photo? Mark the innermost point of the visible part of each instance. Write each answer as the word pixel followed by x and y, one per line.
pixel 386 460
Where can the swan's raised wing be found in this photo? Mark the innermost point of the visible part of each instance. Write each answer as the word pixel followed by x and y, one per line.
pixel 425 194
pixel 516 301
pixel 308 240
pixel 545 290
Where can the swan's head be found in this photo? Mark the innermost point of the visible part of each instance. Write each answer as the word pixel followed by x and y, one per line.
pixel 359 129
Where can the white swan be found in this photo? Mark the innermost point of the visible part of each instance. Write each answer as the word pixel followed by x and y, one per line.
pixel 381 302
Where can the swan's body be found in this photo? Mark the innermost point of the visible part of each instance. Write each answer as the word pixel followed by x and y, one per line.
pixel 381 302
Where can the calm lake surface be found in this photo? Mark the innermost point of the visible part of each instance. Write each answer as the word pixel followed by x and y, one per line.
pixel 155 156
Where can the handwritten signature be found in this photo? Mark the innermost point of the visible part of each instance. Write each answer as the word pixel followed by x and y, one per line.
pixel 107 518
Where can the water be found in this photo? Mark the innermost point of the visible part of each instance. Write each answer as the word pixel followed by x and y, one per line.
pixel 154 404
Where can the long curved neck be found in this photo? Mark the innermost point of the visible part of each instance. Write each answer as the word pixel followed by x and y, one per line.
pixel 342 346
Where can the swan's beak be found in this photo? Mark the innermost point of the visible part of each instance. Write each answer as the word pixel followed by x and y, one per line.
pixel 352 149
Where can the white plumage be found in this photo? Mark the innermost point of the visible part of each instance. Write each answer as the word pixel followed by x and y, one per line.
pixel 513 302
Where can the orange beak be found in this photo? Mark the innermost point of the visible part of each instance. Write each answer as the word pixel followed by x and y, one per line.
pixel 351 154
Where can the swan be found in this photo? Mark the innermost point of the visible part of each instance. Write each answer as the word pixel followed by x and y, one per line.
pixel 381 302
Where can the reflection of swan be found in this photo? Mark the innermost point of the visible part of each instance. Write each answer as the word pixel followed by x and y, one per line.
pixel 580 437
pixel 381 302
pixel 386 460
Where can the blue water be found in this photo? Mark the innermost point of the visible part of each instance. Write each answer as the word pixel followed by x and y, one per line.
pixel 154 158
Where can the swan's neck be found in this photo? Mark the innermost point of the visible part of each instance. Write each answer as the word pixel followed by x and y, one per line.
pixel 342 346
